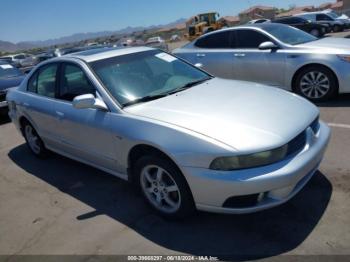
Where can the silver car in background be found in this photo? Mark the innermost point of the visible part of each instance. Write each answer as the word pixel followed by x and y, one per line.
pixel 186 139
pixel 277 55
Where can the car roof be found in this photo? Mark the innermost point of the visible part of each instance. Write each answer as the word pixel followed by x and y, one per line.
pixel 262 26
pixel 316 12
pixel 288 17
pixel 103 53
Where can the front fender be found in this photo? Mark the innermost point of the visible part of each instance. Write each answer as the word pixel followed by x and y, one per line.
pixel 183 146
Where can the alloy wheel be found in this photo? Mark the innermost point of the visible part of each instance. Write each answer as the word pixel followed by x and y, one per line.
pixel 160 189
pixel 33 139
pixel 315 32
pixel 315 85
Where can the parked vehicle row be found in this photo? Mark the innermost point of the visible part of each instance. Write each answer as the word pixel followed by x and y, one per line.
pixel 328 17
pixel 315 29
pixel 277 55
pixel 20 60
pixel 316 23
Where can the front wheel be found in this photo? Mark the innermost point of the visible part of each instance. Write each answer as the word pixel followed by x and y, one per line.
pixel 316 83
pixel 164 187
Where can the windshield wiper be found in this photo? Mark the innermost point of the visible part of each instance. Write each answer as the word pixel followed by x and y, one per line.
pixel 189 85
pixel 144 99
pixel 154 97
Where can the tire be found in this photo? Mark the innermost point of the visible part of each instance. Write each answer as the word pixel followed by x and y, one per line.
pixel 33 141
pixel 316 83
pixel 316 32
pixel 336 28
pixel 163 187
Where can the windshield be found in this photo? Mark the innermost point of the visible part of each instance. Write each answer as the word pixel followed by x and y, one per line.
pixel 145 74
pixel 334 15
pixel 289 35
pixel 7 71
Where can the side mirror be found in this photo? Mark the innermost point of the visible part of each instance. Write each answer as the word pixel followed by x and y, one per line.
pixel 88 101
pixel 268 46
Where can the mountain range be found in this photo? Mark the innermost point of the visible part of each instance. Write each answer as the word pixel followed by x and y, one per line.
pixel 6 46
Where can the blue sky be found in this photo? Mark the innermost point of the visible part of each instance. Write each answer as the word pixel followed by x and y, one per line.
pixel 27 20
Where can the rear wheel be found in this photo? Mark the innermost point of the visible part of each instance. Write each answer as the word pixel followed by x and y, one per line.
pixel 164 187
pixel 337 28
pixel 315 32
pixel 316 83
pixel 33 140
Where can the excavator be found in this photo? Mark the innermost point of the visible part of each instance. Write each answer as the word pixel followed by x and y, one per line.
pixel 201 24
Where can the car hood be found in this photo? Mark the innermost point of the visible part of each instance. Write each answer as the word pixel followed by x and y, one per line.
pixel 246 116
pixel 329 43
pixel 10 82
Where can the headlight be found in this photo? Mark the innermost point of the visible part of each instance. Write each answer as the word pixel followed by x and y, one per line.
pixel 345 58
pixel 249 161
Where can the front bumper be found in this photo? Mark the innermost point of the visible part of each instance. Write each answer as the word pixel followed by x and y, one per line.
pixel 275 183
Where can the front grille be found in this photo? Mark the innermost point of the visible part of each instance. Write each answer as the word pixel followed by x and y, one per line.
pixel 297 144
pixel 241 201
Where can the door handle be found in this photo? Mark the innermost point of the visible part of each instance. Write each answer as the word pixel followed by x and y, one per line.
pixel 200 55
pixel 59 114
pixel 239 55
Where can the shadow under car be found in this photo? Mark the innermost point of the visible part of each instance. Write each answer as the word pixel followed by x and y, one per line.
pixel 228 237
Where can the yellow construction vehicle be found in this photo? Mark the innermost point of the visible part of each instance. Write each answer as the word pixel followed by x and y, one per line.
pixel 202 24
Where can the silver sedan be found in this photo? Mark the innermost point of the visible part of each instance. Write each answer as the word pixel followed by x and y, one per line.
pixel 277 55
pixel 187 140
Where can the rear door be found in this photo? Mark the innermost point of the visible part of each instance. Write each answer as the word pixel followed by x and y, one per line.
pixel 324 19
pixel 253 64
pixel 214 53
pixel 39 104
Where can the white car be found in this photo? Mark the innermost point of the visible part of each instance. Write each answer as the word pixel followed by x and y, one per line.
pixel 157 42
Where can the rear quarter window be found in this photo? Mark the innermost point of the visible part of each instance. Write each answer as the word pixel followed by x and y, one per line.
pixel 215 40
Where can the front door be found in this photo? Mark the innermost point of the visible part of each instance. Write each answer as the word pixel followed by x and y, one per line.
pixel 85 133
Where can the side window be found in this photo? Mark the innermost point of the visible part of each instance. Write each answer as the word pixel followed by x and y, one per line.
pixel 74 83
pixel 298 20
pixel 250 39
pixel 46 81
pixel 33 83
pixel 216 40
pixel 19 57
pixel 322 17
pixel 283 21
